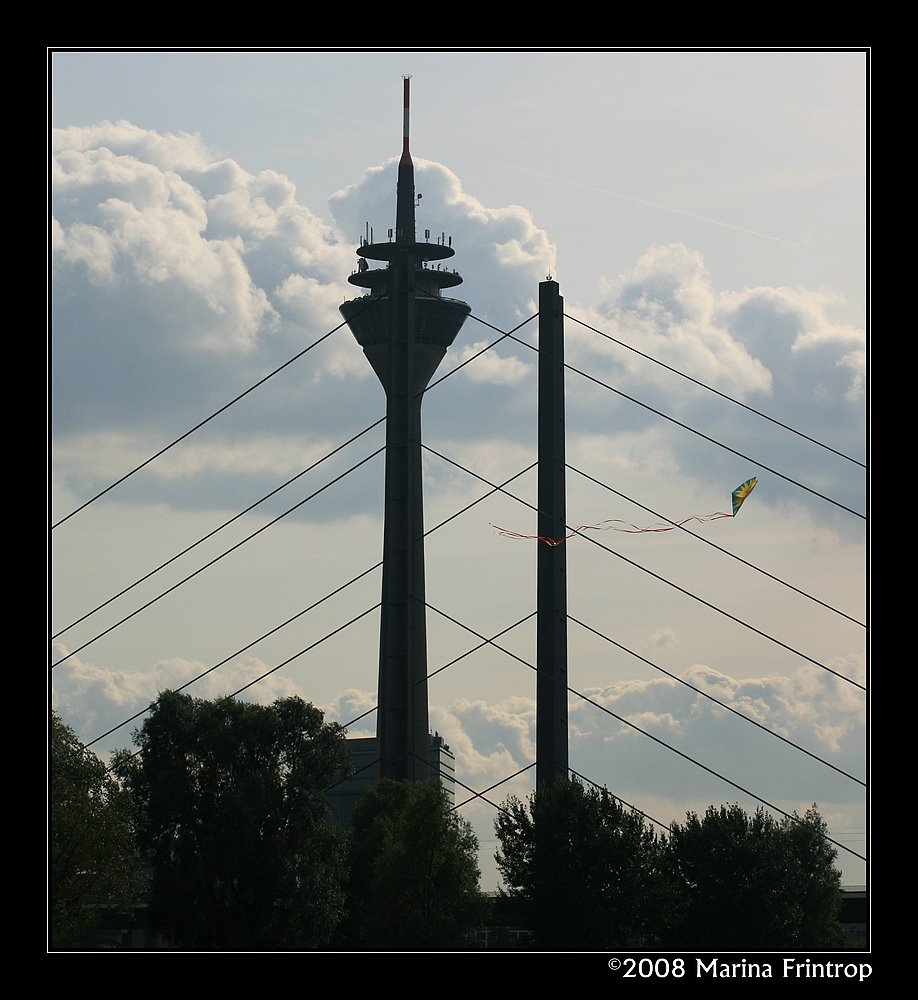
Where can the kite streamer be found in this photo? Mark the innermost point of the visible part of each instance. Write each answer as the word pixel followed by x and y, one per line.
pixel 616 524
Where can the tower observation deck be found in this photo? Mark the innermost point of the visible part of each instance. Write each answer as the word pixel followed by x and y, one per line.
pixel 404 325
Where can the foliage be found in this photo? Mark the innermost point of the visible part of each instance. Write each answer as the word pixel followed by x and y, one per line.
pixel 414 870
pixel 235 820
pixel 752 882
pixel 591 873
pixel 93 857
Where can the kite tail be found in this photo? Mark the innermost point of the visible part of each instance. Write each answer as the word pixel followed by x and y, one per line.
pixel 539 538
pixel 612 525
pixel 738 496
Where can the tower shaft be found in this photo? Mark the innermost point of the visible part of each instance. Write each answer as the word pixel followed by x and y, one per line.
pixel 402 716
pixel 551 569
pixel 404 326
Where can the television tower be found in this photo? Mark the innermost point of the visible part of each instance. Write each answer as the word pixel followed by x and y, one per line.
pixel 404 326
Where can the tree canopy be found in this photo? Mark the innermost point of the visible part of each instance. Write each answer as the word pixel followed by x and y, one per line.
pixel 593 875
pixel 414 870
pixel 590 873
pixel 93 856
pixel 235 820
pixel 752 882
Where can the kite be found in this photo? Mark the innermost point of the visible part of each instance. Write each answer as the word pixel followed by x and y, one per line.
pixel 741 492
pixel 738 496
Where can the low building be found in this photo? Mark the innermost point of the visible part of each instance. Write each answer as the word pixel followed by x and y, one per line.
pixel 344 796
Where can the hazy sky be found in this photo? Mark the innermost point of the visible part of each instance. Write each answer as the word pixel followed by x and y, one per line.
pixel 707 208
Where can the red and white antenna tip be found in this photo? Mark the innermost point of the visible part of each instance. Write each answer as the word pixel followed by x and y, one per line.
pixel 407 80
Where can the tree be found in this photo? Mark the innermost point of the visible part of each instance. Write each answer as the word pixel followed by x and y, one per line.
pixel 414 870
pixel 93 856
pixel 752 882
pixel 235 819
pixel 590 873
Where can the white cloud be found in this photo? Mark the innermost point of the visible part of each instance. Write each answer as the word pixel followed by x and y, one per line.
pixel 227 251
pixel 793 331
pixel 275 456
pixel 92 699
pixel 492 367
pixel 85 245
pixel 353 704
pixel 816 711
pixel 501 253
pixel 171 151
pixel 164 253
pixel 666 307
pixel 493 739
pixel 663 637
pixel 753 341
pixel 856 361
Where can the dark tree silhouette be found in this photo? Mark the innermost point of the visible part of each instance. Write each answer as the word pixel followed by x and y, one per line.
pixel 752 882
pixel 414 870
pixel 235 820
pixel 590 873
pixel 93 857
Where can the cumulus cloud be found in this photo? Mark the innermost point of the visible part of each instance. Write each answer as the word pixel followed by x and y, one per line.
pixel 666 307
pixel 663 637
pixel 492 367
pixel 489 741
pixel 792 330
pixel 761 341
pixel 172 151
pixel 180 277
pixel 92 699
pixel 856 362
pixel 221 247
pixel 820 713
pixel 353 704
pixel 779 349
pixel 493 739
pixel 501 253
pixel 279 456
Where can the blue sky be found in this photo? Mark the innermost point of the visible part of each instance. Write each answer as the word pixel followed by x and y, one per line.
pixel 707 208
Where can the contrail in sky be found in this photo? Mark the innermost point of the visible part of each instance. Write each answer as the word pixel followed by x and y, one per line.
pixel 650 204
